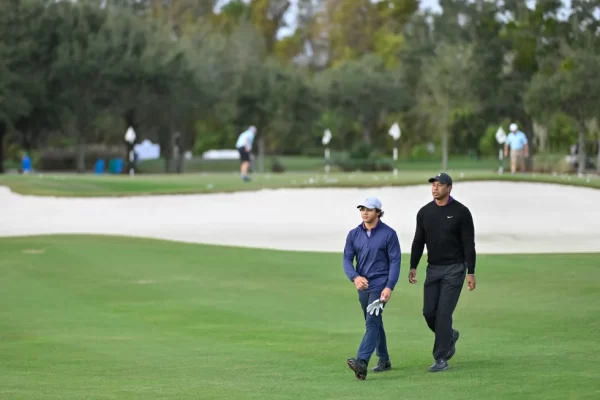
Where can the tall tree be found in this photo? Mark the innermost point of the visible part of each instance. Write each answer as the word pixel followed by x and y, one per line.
pixel 22 59
pixel 445 94
pixel 530 35
pixel 572 88
pixel 268 18
pixel 76 75
pixel 363 92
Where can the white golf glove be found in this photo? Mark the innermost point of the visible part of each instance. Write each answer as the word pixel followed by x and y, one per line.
pixel 375 306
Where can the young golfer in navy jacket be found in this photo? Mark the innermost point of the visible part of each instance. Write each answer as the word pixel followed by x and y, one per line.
pixel 376 248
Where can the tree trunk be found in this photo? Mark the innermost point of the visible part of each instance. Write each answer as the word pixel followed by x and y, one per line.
pixel 23 126
pixel 72 126
pixel 445 149
pixel 80 149
pixel 129 117
pixel 27 141
pixel 581 155
pixel 598 159
pixel 167 145
pixel 367 135
pixel 2 132
pixel 79 145
pixel 261 155
pixel 178 151
pixel 540 133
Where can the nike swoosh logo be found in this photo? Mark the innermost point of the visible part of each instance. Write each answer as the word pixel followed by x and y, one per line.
pixel 449 216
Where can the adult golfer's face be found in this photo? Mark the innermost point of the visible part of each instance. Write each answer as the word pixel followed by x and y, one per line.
pixel 439 190
pixel 368 214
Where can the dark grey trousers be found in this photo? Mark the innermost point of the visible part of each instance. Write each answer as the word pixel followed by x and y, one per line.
pixel 443 284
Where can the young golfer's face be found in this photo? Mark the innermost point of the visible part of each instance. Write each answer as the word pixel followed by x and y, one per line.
pixel 368 215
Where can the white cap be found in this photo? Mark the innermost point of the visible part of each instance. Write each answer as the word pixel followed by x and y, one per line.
pixel 513 127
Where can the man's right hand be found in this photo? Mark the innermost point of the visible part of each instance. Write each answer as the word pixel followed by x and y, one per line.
pixel 412 275
pixel 361 283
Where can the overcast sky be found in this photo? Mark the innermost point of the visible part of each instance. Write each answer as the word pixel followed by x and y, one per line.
pixel 291 14
pixel 433 5
pixel 425 4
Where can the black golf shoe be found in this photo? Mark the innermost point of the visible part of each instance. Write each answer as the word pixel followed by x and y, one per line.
pixel 359 367
pixel 382 366
pixel 439 365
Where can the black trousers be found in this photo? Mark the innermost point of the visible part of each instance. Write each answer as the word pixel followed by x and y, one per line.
pixel 443 284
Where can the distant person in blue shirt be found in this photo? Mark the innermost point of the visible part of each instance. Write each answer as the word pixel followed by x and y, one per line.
pixel 25 164
pixel 244 147
pixel 376 248
pixel 519 148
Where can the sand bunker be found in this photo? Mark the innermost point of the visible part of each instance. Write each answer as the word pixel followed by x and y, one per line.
pixel 530 218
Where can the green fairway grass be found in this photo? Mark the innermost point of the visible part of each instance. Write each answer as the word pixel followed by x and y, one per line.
pixel 97 317
pixel 89 185
pixel 317 164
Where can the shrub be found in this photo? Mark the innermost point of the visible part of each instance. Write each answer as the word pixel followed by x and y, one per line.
pixel 420 152
pixel 544 163
pixel 364 165
pixel 364 157
pixel 276 165
pixel 55 159
pixel 361 151
pixel 488 145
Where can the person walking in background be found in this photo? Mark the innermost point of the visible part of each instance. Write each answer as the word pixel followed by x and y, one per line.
pixel 446 227
pixel 244 147
pixel 376 248
pixel 519 148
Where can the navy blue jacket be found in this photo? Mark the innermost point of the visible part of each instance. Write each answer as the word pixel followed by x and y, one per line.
pixel 377 256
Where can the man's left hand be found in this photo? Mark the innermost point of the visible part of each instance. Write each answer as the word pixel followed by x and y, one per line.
pixel 385 295
pixel 471 281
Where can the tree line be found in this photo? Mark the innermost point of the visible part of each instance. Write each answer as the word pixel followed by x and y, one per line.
pixel 78 73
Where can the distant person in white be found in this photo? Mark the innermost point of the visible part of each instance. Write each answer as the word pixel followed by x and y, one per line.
pixel 244 147
pixel 519 148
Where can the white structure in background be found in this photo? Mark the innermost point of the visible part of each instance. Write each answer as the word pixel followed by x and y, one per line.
pixel 326 139
pixel 224 154
pixel 431 147
pixel 147 150
pixel 395 133
pixel 501 138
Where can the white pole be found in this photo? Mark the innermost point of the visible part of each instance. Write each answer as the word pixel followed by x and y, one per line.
pixel 501 139
pixel 326 160
pixel 395 159
pixel 131 158
pixel 395 133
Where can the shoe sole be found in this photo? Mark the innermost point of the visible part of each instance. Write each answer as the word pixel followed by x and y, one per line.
pixel 453 349
pixel 438 370
pixel 382 370
pixel 361 375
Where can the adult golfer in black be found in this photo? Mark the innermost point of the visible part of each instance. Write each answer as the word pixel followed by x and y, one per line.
pixel 446 227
